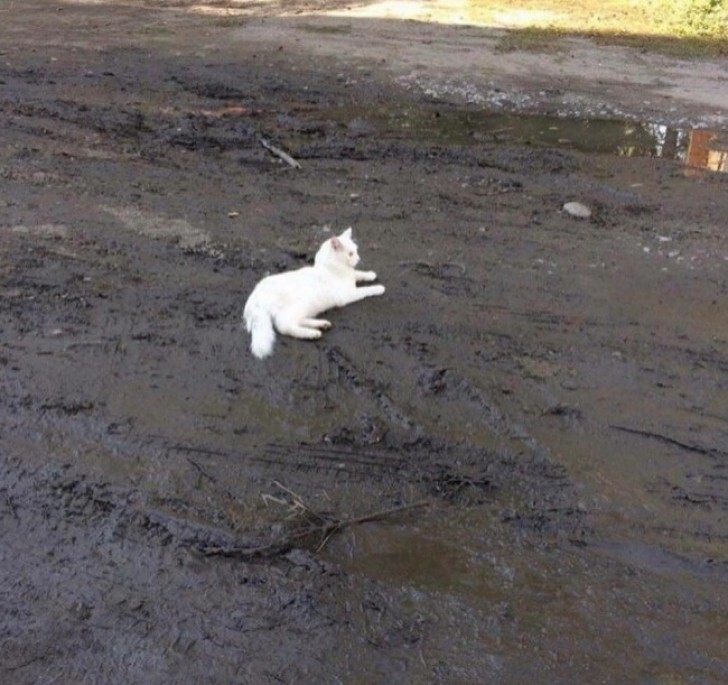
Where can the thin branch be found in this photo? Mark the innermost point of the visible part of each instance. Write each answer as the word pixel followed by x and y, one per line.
pixel 275 150
pixel 202 471
pixel 691 447
pixel 384 513
pixel 325 531
pixel 296 506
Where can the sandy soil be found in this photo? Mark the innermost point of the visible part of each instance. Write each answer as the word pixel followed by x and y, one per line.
pixel 533 416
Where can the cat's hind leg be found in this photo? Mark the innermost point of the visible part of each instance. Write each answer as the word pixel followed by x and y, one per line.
pixel 321 324
pixel 289 326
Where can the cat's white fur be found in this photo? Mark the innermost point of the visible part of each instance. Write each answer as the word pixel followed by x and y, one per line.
pixel 289 301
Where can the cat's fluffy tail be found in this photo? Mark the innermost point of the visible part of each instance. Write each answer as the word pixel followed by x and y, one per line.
pixel 260 326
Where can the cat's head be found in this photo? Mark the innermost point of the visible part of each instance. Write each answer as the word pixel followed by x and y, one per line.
pixel 342 249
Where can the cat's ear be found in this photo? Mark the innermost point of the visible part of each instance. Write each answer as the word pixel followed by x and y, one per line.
pixel 336 244
pixel 347 233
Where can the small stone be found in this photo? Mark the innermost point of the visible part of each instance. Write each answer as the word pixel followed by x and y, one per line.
pixel 577 209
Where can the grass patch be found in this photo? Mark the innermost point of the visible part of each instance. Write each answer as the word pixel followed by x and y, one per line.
pixel 342 29
pixel 531 40
pixel 679 27
pixel 232 21
pixel 683 47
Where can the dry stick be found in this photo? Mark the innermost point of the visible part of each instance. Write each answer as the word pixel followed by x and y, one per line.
pixel 273 149
pixel 226 491
pixel 670 441
pixel 297 499
pixel 326 531
pixel 202 471
pixel 297 504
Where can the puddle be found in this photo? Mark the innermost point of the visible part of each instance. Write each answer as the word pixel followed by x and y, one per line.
pixel 428 563
pixel 695 148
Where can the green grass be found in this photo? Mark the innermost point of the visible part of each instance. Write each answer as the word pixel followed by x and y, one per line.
pixel 232 22
pixel 532 40
pixel 685 27
pixel 326 28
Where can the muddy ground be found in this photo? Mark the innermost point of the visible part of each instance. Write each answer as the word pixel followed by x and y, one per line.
pixel 534 415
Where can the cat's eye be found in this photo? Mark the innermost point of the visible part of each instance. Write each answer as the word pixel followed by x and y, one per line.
pixel 351 254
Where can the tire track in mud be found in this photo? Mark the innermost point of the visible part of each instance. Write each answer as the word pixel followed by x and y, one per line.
pixel 333 462
pixel 346 372
pixel 531 492
pixel 204 517
pixel 100 559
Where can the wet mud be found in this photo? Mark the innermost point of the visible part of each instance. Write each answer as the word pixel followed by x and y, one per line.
pixel 511 468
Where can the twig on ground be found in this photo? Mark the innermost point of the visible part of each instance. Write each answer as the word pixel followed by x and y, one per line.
pixel 202 471
pixel 297 506
pixel 325 531
pixel 691 447
pixel 275 150
pixel 271 498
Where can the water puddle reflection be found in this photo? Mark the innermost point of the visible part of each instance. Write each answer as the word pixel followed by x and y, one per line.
pixel 428 563
pixel 697 149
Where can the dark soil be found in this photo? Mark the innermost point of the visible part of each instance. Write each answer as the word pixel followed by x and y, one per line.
pixel 549 392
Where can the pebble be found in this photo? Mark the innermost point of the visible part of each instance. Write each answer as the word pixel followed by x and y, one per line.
pixel 577 209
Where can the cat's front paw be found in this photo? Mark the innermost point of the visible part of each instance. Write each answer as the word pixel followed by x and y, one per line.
pixel 378 290
pixel 369 276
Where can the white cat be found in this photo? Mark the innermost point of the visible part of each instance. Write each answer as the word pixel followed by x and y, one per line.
pixel 290 300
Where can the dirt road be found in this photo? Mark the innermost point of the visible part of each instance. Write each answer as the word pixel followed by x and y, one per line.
pixel 533 416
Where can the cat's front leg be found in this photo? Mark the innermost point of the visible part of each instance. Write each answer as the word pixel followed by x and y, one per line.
pixel 360 293
pixel 365 276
